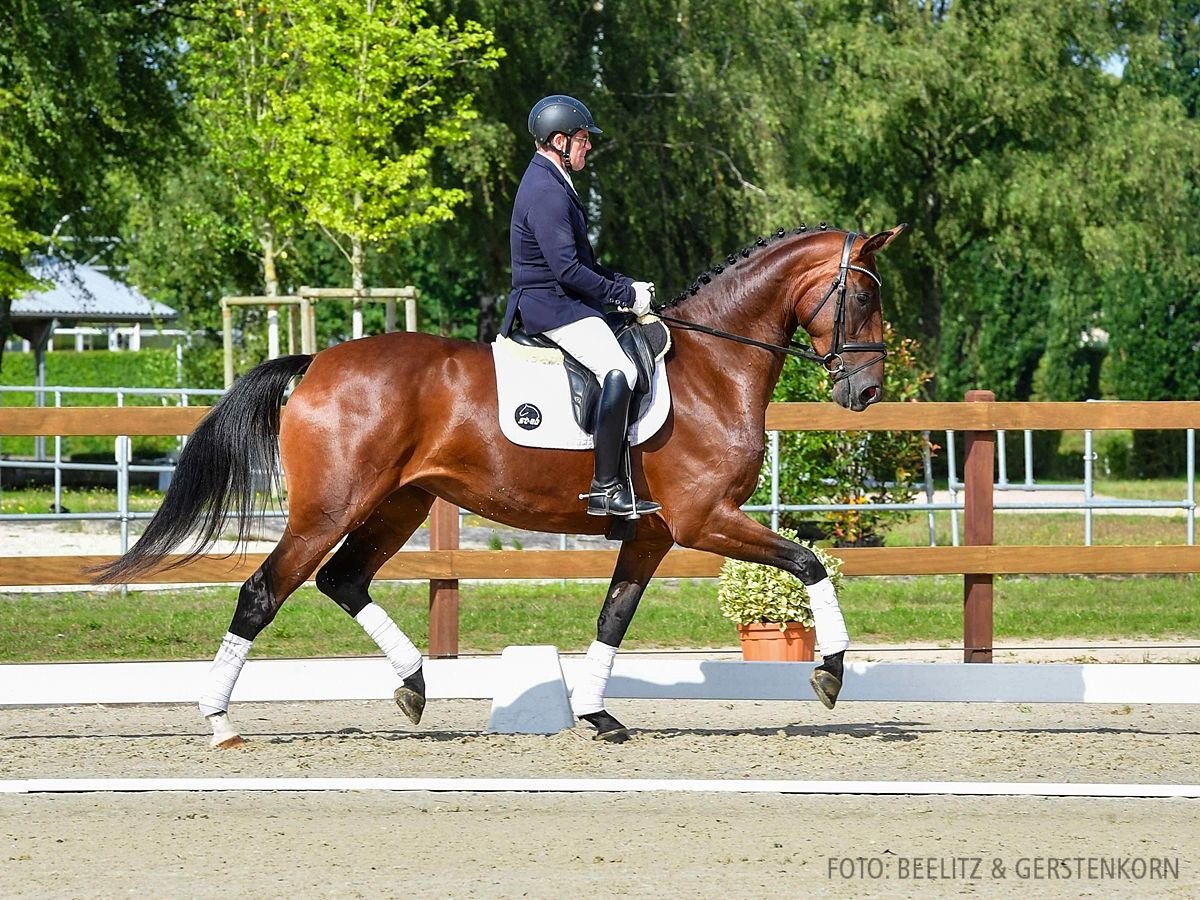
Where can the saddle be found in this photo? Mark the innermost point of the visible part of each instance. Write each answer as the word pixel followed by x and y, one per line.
pixel 645 344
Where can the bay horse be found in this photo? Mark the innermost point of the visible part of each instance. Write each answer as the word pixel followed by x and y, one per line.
pixel 379 427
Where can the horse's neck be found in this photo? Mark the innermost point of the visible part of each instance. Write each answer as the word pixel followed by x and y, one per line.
pixel 741 306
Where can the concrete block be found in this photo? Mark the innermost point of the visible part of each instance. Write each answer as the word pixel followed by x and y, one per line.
pixel 531 693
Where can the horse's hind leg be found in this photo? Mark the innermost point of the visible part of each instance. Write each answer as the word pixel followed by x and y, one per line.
pixel 635 567
pixel 346 577
pixel 287 567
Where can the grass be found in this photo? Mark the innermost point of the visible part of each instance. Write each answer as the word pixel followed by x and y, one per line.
pixel 188 624
pixel 21 501
pixel 1161 489
pixel 1051 529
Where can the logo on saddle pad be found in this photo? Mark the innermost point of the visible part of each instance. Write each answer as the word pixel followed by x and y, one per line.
pixel 528 416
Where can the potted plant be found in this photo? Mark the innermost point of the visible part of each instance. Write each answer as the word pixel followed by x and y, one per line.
pixel 770 607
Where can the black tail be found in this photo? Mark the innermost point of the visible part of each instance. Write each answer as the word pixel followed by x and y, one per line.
pixel 216 472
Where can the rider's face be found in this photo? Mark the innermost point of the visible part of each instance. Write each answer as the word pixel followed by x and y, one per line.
pixel 581 143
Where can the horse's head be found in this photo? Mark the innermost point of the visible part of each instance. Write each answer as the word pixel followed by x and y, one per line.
pixel 840 309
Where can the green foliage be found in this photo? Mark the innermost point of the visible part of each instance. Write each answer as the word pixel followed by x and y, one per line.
pixel 849 467
pixel 997 131
pixel 86 88
pixel 374 102
pixel 749 593
pixel 98 368
pixel 1050 196
pixel 17 186
pixel 240 67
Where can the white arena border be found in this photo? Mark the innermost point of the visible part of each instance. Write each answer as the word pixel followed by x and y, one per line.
pixel 372 678
pixel 595 785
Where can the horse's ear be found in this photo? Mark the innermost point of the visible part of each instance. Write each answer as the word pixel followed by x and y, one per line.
pixel 877 242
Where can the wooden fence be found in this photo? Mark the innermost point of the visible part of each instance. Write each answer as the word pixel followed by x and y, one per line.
pixel 444 564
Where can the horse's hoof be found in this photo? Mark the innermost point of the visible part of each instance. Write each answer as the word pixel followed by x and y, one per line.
pixel 224 736
pixel 608 729
pixel 616 736
pixel 827 687
pixel 410 696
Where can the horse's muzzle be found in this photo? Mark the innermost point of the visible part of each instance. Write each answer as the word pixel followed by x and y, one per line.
pixel 857 394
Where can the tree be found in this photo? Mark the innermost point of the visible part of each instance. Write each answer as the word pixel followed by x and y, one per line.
pixel 376 99
pixel 996 127
pixel 1152 304
pixel 691 98
pixel 86 88
pixel 462 264
pixel 241 67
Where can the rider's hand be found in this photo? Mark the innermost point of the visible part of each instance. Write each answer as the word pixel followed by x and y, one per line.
pixel 643 296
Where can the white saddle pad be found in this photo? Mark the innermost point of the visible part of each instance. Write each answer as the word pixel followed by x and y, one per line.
pixel 535 399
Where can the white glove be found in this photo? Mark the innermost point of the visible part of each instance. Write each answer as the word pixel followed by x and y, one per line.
pixel 643 296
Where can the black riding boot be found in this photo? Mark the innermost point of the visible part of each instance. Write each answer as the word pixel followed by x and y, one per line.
pixel 611 493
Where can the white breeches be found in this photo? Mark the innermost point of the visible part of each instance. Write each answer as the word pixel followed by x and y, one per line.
pixel 592 342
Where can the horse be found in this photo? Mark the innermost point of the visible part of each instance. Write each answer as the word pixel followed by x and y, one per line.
pixel 379 427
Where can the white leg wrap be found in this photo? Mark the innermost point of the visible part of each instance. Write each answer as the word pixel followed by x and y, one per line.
pixel 226 667
pixel 400 651
pixel 827 618
pixel 588 695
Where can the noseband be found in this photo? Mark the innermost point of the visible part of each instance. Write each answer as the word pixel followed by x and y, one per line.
pixel 832 361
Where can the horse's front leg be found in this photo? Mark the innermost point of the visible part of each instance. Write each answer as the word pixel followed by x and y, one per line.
pixel 730 532
pixel 635 567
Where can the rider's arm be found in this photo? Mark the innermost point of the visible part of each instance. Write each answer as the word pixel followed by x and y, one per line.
pixel 551 227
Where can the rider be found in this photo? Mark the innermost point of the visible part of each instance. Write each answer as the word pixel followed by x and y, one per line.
pixel 560 290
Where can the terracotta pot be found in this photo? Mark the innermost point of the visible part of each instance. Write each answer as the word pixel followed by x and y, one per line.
pixel 767 643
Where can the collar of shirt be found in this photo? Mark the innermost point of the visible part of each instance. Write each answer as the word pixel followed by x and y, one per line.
pixel 567 176
pixel 561 170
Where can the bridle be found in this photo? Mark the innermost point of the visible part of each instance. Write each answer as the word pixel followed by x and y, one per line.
pixel 832 361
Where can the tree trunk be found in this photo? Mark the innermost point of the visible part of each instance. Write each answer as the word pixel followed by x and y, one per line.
pixel 489 318
pixel 266 240
pixel 6 328
pixel 356 282
pixel 271 283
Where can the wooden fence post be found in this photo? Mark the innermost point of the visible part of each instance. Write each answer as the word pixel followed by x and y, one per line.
pixel 978 479
pixel 443 593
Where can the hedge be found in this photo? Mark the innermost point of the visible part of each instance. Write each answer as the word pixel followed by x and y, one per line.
pixel 91 368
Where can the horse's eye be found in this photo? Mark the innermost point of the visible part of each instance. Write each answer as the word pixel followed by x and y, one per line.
pixel 863 297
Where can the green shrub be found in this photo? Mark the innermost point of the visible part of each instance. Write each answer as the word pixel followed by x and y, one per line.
pixel 98 368
pixel 92 368
pixel 750 593
pixel 853 466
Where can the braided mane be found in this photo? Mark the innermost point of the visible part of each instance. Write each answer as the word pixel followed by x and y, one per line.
pixel 709 274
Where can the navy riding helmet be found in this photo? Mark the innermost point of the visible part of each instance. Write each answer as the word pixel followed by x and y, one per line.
pixel 556 113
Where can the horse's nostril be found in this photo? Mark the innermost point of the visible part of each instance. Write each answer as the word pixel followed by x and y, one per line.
pixel 869 395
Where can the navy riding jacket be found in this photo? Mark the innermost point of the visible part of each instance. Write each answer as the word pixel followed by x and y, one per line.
pixel 556 279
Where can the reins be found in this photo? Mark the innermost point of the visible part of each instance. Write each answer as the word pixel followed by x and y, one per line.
pixel 832 361
pixel 793 348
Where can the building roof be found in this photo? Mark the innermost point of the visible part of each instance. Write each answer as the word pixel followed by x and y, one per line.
pixel 82 293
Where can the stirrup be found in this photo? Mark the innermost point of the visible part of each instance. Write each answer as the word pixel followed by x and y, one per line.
pixel 607 501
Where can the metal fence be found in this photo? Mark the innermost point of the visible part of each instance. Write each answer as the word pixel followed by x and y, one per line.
pixel 122 465
pixel 1088 504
